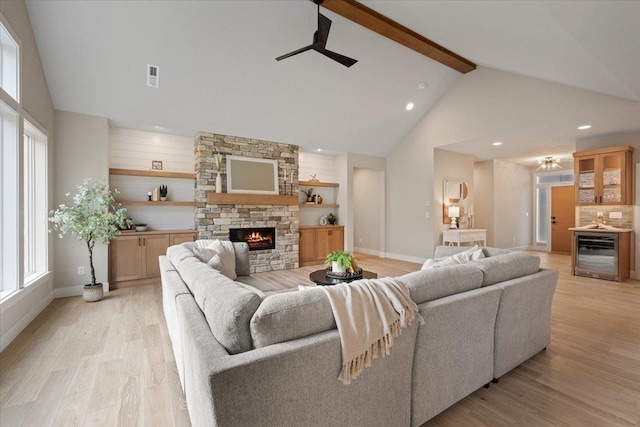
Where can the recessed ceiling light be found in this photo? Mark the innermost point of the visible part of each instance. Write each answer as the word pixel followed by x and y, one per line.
pixel 422 85
pixel 158 127
pixel 584 127
pixel 496 143
pixel 319 149
pixel 410 106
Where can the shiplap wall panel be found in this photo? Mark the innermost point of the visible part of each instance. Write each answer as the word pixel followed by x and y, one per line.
pixel 322 165
pixel 134 149
pixel 163 217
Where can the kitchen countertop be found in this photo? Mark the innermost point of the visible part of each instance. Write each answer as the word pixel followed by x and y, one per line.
pixel 603 230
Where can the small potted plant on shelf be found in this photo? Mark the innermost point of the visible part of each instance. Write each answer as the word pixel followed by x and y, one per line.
pixel 340 262
pixel 331 219
pixel 163 193
pixel 95 216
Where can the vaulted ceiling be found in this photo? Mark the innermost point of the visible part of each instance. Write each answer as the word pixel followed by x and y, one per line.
pixel 218 71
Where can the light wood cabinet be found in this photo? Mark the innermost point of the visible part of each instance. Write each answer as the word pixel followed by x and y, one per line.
pixel 317 242
pixel 604 176
pixel 133 257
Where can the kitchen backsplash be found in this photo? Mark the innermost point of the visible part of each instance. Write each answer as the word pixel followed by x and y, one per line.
pixel 589 214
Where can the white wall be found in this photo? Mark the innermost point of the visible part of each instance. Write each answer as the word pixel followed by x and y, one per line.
pixel 18 310
pixel 512 205
pixel 345 164
pixel 368 186
pixel 133 149
pixel 449 166
pixel 82 151
pixel 483 206
pixel 632 139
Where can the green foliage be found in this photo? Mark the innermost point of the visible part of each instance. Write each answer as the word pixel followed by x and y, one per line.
pixel 94 217
pixel 217 158
pixel 163 191
pixel 342 258
pixel 308 192
pixel 331 218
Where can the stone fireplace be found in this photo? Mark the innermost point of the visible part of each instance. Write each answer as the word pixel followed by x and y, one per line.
pixel 215 220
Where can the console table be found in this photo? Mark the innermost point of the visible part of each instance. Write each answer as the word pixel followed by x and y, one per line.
pixel 471 236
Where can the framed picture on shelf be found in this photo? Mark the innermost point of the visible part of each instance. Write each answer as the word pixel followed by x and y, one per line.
pixel 156 165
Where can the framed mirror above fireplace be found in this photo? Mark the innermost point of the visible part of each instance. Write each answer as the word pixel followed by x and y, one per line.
pixel 252 176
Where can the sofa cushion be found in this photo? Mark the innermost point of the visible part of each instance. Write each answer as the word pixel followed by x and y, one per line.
pixel 290 315
pixel 227 306
pixel 434 283
pixel 444 251
pixel 243 266
pixel 512 265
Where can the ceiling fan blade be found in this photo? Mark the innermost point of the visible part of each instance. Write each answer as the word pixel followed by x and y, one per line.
pixel 344 60
pixel 295 52
pixel 324 26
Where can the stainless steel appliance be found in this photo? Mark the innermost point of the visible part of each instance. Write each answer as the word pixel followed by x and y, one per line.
pixel 596 255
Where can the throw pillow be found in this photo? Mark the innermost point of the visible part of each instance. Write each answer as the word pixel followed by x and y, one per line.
pixel 219 255
pixel 464 257
pixel 204 254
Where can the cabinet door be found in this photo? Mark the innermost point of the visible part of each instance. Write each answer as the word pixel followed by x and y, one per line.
pixel 323 244
pixel 125 259
pixel 153 246
pixel 612 182
pixel 586 181
pixel 307 245
pixel 337 239
pixel 176 239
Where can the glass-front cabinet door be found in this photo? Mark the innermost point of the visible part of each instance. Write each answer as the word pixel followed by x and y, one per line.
pixel 604 176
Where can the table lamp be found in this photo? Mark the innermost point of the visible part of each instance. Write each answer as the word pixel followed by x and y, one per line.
pixel 454 212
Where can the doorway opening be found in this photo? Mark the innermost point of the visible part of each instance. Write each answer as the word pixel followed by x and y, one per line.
pixel 554 211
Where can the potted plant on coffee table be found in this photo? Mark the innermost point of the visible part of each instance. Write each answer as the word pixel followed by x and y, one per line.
pixel 340 262
pixel 94 217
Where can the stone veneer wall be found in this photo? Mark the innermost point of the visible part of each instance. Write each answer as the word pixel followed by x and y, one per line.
pixel 589 214
pixel 214 221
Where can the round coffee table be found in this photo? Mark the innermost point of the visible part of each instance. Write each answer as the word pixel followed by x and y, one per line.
pixel 320 277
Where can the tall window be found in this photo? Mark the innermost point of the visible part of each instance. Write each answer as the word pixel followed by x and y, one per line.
pixel 9 125
pixel 9 63
pixel 34 202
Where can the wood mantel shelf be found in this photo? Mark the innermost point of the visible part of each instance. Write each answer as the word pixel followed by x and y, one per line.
pixel 250 199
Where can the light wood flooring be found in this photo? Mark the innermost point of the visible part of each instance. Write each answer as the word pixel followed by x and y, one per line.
pixel 110 363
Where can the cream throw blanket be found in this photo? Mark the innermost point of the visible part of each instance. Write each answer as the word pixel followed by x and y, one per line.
pixel 369 313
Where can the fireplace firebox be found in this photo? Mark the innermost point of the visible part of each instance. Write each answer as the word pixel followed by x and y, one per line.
pixel 259 238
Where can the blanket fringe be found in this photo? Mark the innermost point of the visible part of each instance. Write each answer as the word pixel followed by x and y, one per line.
pixel 352 369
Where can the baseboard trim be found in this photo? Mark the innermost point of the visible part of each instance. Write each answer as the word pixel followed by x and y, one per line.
pixel 369 252
pixel 74 291
pixel 407 258
pixel 14 331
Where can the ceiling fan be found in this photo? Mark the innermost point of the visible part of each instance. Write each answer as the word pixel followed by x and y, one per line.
pixel 320 41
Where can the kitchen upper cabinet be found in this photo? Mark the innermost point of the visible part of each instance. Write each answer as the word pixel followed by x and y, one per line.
pixel 604 176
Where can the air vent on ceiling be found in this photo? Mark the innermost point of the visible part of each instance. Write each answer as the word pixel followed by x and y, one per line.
pixel 153 75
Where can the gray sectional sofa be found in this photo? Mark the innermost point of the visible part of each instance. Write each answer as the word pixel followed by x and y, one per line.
pixel 250 357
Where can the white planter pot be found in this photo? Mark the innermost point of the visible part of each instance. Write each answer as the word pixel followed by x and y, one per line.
pixel 92 293
pixel 163 199
pixel 336 268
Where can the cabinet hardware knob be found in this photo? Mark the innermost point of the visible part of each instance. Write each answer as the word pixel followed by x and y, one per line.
pixel 139 241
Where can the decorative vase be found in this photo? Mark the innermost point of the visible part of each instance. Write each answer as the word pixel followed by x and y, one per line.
pixel 218 183
pixel 319 199
pixel 336 268
pixel 92 293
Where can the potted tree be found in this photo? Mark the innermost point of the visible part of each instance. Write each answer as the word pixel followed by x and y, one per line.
pixel 340 262
pixel 95 216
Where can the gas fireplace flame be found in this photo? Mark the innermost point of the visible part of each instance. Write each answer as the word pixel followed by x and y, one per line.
pixel 256 237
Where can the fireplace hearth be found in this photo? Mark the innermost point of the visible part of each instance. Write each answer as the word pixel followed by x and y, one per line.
pixel 258 238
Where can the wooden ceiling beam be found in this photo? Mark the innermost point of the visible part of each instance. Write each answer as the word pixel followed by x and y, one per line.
pixel 390 29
